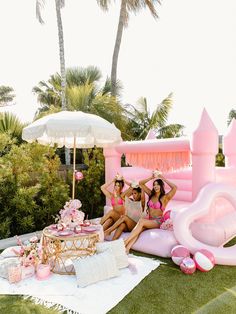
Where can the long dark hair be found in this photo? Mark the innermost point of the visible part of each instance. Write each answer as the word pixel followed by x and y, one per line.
pixel 121 183
pixel 162 191
pixel 138 189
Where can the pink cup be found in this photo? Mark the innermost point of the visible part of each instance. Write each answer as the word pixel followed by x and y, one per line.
pixel 43 271
pixel 27 271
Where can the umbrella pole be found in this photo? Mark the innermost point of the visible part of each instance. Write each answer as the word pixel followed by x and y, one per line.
pixel 74 159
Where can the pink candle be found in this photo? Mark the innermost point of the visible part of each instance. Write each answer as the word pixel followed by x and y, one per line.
pixel 43 271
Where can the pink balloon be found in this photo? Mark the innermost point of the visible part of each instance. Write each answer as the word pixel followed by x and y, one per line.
pixel 79 175
pixel 204 260
pixel 178 253
pixel 188 266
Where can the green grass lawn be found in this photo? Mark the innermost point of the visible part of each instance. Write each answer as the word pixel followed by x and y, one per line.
pixel 165 290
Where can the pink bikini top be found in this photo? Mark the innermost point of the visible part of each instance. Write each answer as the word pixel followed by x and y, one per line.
pixel 156 205
pixel 118 201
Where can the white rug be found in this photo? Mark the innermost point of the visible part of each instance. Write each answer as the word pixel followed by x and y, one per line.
pixel 97 298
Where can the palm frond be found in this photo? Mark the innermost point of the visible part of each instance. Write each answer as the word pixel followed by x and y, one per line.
pixel 104 4
pixel 231 116
pixel 44 111
pixel 136 5
pixel 160 115
pixel 11 125
pixel 170 131
pixel 106 89
pixel 80 97
pixel 39 6
pixel 6 95
pixel 78 76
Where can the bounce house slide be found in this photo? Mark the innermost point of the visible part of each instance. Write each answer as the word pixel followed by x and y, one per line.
pixel 209 222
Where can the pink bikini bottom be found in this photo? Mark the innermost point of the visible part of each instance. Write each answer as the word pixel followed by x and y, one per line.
pixel 162 218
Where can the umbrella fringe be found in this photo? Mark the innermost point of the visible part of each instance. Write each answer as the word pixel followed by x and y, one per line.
pixel 50 305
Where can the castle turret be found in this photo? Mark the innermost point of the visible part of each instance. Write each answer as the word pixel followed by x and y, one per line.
pixel 229 145
pixel 204 147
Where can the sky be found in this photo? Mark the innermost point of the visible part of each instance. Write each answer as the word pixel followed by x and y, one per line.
pixel 190 51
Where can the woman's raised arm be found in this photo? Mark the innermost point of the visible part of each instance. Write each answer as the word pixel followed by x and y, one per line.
pixel 143 186
pixel 173 187
pixel 104 189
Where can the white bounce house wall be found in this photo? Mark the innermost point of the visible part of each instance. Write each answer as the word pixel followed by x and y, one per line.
pixel 190 164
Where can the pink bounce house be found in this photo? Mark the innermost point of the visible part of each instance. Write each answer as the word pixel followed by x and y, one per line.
pixel 204 208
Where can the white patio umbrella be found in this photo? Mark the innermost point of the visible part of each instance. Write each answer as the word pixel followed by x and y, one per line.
pixel 72 129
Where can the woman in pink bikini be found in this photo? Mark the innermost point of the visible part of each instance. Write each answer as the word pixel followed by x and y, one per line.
pixel 157 203
pixel 117 201
pixel 134 208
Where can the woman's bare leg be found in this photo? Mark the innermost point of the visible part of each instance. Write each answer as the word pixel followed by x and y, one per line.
pixel 130 223
pixel 114 226
pixel 141 225
pixel 105 217
pixel 114 216
pixel 130 244
pixel 107 224
pixel 119 231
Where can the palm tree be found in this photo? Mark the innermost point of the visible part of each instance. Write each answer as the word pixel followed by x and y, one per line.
pixel 231 116
pixel 6 95
pixel 11 125
pixel 141 120
pixel 126 7
pixel 83 93
pixel 59 5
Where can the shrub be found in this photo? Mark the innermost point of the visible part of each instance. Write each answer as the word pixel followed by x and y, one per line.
pixel 88 189
pixel 31 191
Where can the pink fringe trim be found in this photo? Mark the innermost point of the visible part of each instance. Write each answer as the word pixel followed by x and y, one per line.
pixel 166 161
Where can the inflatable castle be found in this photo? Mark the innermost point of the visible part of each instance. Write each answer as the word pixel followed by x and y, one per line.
pixel 204 207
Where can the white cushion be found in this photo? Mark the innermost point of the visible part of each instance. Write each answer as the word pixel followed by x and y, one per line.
pixel 91 269
pixel 9 252
pixel 117 247
pixel 6 263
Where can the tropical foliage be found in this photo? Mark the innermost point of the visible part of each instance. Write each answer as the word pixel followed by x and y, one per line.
pixel 31 191
pixel 6 95
pixel 141 120
pixel 170 131
pixel 83 93
pixel 11 125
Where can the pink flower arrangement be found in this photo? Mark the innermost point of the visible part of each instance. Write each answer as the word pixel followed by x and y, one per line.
pixel 70 214
pixel 167 225
pixel 30 252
